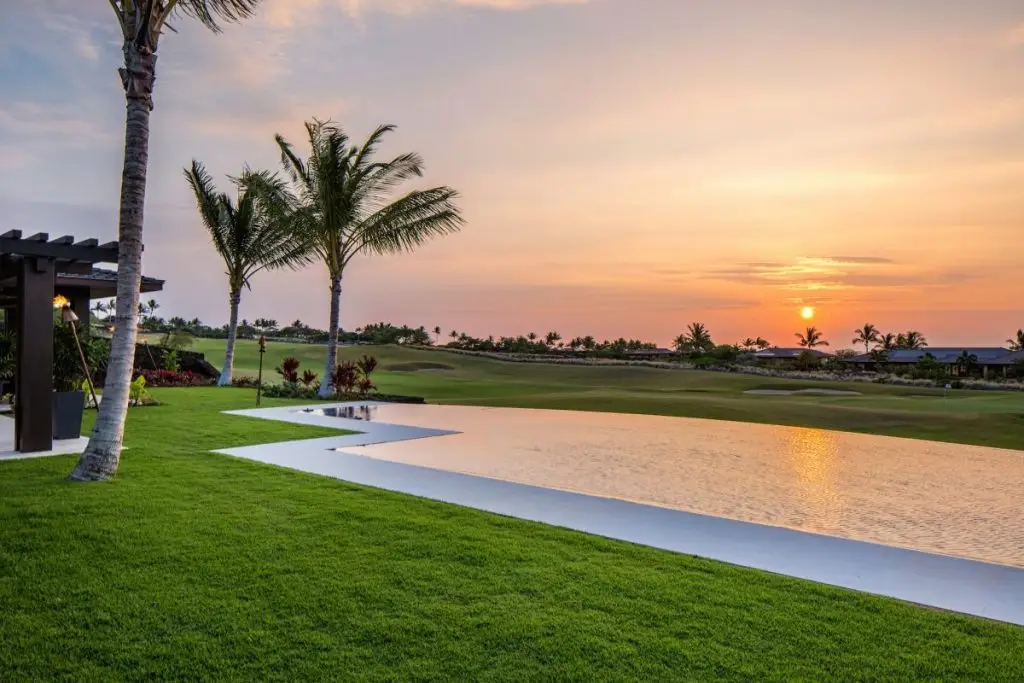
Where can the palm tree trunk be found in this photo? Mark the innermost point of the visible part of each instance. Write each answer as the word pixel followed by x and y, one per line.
pixel 102 455
pixel 326 389
pixel 229 353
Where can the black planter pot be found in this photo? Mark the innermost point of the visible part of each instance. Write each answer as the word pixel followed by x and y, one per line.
pixel 68 407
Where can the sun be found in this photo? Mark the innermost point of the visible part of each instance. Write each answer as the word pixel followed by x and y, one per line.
pixel 807 312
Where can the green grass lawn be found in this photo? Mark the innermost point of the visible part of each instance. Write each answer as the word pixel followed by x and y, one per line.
pixel 192 565
pixel 974 417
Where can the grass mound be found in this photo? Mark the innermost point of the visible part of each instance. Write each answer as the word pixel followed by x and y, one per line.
pixel 417 366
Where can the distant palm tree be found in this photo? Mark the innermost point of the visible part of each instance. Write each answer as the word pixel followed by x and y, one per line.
pixel 347 208
pixel 965 362
pixel 811 338
pixel 552 338
pixel 532 336
pixel 888 341
pixel 142 24
pixel 762 343
pixel 251 233
pixel 699 338
pixel 1018 343
pixel 682 344
pixel 437 334
pixel 867 336
pixel 911 340
pixel 748 344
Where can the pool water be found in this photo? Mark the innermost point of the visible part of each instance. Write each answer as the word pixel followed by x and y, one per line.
pixel 945 498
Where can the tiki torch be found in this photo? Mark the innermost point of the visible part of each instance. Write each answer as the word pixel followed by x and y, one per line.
pixel 259 378
pixel 69 316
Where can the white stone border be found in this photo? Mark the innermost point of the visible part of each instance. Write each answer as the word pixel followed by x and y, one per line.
pixel 961 585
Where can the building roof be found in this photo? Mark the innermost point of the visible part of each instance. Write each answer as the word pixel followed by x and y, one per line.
pixel 793 352
pixel 986 355
pixel 102 283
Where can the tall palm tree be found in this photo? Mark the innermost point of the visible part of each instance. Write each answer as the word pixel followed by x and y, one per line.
pixel 437 334
pixel 867 336
pixel 142 22
pixel 1017 344
pixel 552 338
pixel 346 208
pixel 965 362
pixel 748 344
pixel 251 233
pixel 811 337
pixel 762 343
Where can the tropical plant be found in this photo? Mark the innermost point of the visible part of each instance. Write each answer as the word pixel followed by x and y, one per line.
pixel 171 361
pixel 68 373
pixel 344 378
pixel 308 378
pixel 437 334
pixel 366 365
pixel 552 338
pixel 867 336
pixel 346 208
pixel 811 337
pixel 251 233
pixel 1017 344
pixel 761 343
pixel 137 394
pixel 289 370
pixel 142 22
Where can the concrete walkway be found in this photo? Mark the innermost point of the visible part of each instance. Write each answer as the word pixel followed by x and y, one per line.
pixel 968 586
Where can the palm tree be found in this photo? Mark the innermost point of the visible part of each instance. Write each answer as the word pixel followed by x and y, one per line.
pixel 748 344
pixel 346 208
pixel 698 337
pixel 1018 343
pixel 762 343
pixel 965 362
pixel 811 337
pixel 911 340
pixel 552 338
pixel 437 334
pixel 142 22
pixel 251 233
pixel 888 341
pixel 867 336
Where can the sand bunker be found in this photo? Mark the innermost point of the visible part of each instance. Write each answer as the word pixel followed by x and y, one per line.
pixel 796 392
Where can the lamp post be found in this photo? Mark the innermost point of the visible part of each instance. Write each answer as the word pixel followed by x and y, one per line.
pixel 69 316
pixel 259 378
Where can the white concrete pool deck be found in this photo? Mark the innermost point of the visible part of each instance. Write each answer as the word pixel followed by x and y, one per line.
pixel 961 585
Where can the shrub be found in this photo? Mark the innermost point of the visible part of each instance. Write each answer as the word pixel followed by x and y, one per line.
pixel 345 378
pixel 289 390
pixel 171 361
pixel 289 370
pixel 137 394
pixel 171 378
pixel 308 378
pixel 365 386
pixel 366 365
pixel 244 382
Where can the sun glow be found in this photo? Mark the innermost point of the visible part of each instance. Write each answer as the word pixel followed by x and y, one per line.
pixel 807 312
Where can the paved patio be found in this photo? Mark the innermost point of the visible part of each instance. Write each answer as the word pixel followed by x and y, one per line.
pixel 7 451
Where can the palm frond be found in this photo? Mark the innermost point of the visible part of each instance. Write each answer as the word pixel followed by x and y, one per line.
pixel 210 12
pixel 408 222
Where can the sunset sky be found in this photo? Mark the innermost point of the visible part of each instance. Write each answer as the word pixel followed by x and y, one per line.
pixel 626 166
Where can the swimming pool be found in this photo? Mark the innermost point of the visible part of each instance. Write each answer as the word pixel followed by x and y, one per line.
pixel 942 498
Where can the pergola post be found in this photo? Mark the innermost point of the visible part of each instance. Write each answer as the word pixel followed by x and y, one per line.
pixel 33 421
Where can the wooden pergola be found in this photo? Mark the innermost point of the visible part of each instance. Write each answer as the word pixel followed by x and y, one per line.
pixel 33 270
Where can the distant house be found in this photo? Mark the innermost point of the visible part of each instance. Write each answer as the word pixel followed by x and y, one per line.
pixel 650 354
pixel 779 356
pixel 989 358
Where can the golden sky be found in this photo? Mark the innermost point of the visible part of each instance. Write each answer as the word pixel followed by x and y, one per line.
pixel 627 166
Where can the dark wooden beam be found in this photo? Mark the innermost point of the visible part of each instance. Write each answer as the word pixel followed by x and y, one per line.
pixel 11 235
pixel 38 237
pixel 33 424
pixel 91 242
pixel 66 239
pixel 74 268
pixel 106 253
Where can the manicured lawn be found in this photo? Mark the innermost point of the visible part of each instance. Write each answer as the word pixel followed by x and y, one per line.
pixel 974 417
pixel 199 566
